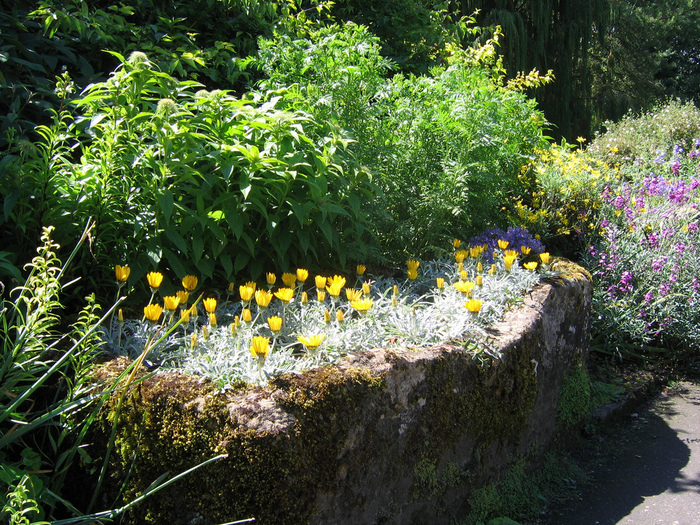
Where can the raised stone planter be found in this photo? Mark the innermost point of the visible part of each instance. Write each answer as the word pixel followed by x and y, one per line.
pixel 385 436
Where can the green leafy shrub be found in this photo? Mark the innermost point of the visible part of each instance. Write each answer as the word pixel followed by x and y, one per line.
pixel 639 140
pixel 42 39
pixel 446 148
pixel 195 181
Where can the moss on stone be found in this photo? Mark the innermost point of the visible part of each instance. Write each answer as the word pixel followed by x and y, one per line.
pixel 170 423
pixel 574 397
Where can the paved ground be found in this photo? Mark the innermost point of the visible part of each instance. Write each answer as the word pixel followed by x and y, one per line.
pixel 646 471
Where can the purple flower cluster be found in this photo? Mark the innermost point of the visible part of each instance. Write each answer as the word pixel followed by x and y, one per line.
pixel 647 259
pixel 516 238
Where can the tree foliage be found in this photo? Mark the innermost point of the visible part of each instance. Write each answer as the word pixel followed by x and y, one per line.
pixel 651 52
pixel 544 35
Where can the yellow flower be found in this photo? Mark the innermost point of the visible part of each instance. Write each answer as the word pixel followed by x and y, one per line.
pixel 395 290
pixel 275 323
pixel 193 340
pixel 320 282
pixel 209 304
pixel 231 287
pixel 479 280
pixel 460 267
pixel 189 282
pixel 120 316
pixel 335 284
pixel 413 265
pixel 153 312
pixel 312 342
pixel 479 267
pixel 508 260
pixel 260 347
pixel 155 279
pixel 289 279
pixel 321 296
pixel 271 279
pixel 212 319
pixel 464 275
pixel 456 243
pixel 183 296
pixel 205 332
pixel 304 297
pixel 122 273
pixel 394 302
pixel 171 302
pixel 302 275
pixel 285 294
pixel 525 250
pixel 237 321
pixel 352 294
pixel 412 275
pixel 185 315
pixel 232 327
pixel 473 305
pixel 246 315
pixel 326 316
pixel 336 279
pixel 362 305
pixel 246 292
pixel 503 244
pixel 475 251
pixel 252 284
pixel 340 316
pixel 334 290
pixel 460 255
pixel 263 298
pixel 510 253
pixel 361 269
pixel 440 282
pixel 530 265
pixel 365 288
pixel 465 287
pixel 544 257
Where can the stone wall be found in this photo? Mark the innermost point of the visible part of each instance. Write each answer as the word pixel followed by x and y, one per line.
pixel 384 437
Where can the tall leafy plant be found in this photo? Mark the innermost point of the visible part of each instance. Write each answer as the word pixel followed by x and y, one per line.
pixel 446 147
pixel 203 182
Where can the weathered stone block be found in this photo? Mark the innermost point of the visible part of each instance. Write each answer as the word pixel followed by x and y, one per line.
pixel 385 436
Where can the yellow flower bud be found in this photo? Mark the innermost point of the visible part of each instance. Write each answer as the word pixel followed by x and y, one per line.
pixel 122 273
pixel 153 312
pixel 289 279
pixel 155 279
pixel 171 302
pixel 189 282
pixel 275 323
pixel 271 279
pixel 209 304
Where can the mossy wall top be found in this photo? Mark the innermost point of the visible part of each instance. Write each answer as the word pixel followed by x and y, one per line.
pixel 385 436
